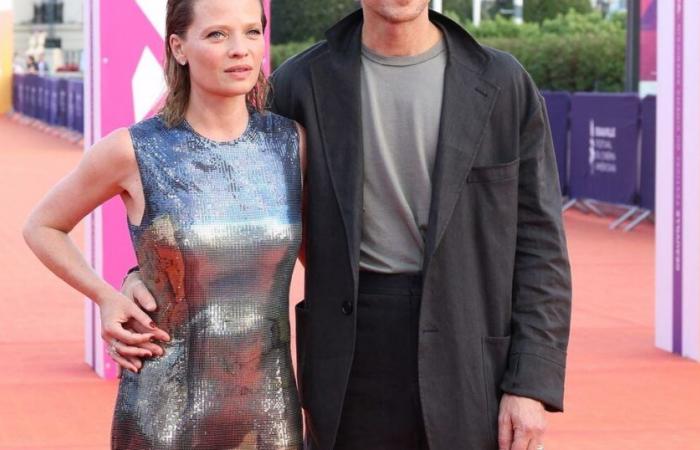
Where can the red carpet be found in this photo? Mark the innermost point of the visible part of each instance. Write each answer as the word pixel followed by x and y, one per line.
pixel 622 393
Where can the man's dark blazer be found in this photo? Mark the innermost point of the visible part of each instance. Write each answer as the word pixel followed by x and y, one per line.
pixel 495 311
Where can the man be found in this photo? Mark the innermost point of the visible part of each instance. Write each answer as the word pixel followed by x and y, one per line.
pixel 437 305
pixel 42 65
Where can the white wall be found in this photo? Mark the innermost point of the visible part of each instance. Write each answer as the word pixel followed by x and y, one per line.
pixel 73 11
pixel 24 11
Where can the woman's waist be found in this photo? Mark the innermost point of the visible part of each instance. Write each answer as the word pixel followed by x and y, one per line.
pixel 216 321
pixel 210 357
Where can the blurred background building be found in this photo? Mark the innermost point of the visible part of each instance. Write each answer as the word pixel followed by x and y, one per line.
pixel 49 30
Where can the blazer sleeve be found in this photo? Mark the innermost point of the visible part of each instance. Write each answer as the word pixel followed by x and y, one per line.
pixel 541 310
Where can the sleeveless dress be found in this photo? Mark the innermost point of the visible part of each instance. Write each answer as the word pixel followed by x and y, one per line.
pixel 216 247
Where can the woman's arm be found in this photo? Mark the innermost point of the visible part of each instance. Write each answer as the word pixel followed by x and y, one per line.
pixel 108 169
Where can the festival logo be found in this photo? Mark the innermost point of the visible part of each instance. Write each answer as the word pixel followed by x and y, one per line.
pixel 601 149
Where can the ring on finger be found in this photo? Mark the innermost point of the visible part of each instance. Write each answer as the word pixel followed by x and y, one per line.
pixel 113 346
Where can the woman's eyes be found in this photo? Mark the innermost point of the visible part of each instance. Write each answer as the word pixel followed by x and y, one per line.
pixel 216 35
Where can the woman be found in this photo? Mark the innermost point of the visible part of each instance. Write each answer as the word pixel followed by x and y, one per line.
pixel 212 188
pixel 32 66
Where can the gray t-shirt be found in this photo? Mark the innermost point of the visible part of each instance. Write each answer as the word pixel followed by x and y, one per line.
pixel 401 109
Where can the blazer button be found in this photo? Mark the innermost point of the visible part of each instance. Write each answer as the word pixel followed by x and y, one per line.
pixel 346 308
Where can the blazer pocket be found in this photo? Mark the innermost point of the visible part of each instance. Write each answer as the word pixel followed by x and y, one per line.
pixel 300 314
pixel 490 174
pixel 495 352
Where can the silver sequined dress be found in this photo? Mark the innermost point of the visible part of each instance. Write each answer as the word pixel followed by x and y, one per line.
pixel 216 247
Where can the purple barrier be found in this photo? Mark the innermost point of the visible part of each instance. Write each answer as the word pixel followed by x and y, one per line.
pixel 647 186
pixel 44 99
pixel 62 102
pixel 558 107
pixel 79 117
pixel 39 98
pixel 17 81
pixel 70 104
pixel 22 94
pixel 30 93
pixel 604 143
pixel 26 90
pixel 21 83
pixel 37 90
pixel 74 119
pixel 53 101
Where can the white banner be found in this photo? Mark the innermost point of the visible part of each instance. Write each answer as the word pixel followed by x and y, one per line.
pixel 678 184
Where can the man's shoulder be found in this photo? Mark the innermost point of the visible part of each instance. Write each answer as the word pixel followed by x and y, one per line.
pixel 512 80
pixel 291 81
pixel 503 66
pixel 508 75
pixel 297 66
pixel 502 59
pixel 493 65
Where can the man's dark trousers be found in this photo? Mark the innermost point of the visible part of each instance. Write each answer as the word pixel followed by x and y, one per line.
pixel 382 409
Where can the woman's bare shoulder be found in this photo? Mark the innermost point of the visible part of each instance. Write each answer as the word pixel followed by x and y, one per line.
pixel 113 155
pixel 117 143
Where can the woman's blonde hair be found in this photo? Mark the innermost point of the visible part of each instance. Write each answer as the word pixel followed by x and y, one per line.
pixel 180 15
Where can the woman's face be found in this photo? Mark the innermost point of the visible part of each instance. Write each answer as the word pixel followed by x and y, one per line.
pixel 223 47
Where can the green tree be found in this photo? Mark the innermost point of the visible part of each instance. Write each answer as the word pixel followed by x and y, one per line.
pixel 573 52
pixel 460 8
pixel 539 10
pixel 294 20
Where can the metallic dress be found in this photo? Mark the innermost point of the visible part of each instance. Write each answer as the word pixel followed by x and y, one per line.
pixel 216 247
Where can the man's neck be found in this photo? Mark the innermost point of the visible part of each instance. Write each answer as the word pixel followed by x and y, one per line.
pixel 399 38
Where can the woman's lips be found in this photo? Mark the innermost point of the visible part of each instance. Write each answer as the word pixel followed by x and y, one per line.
pixel 239 71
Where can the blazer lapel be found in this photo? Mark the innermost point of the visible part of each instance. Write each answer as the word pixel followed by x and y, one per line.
pixel 467 104
pixel 336 87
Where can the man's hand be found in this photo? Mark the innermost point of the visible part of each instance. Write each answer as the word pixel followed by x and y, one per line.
pixel 125 346
pixel 134 289
pixel 521 423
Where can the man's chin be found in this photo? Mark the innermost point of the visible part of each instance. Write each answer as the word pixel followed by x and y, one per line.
pixel 401 14
pixel 400 17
